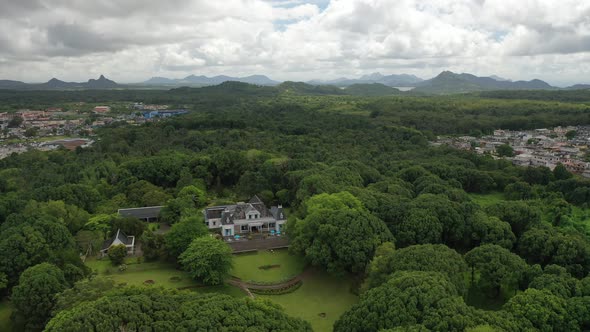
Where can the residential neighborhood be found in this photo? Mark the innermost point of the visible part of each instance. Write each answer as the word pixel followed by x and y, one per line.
pixel 34 129
pixel 539 147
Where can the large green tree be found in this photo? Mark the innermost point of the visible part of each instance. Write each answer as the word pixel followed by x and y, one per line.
pixel 34 296
pixel 408 298
pixel 497 267
pixel 541 311
pixel 338 233
pixel 181 234
pixel 142 309
pixel 426 257
pixel 207 260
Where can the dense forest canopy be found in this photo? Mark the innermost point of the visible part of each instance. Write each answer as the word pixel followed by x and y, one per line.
pixel 367 194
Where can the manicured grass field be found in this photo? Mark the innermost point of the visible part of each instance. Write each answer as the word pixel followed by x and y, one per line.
pixel 162 274
pixel 247 265
pixel 5 311
pixel 321 300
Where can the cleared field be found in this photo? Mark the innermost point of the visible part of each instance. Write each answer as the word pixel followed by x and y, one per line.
pixel 321 300
pixel 158 274
pixel 267 266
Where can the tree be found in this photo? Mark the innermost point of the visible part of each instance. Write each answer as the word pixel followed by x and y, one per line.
pixel 153 245
pixel 207 260
pixel 33 297
pixel 408 298
pixel 571 134
pixel 181 234
pixel 537 175
pixel 338 233
pixel 518 191
pixel 497 266
pixel 83 291
pixel 490 230
pixel 3 282
pixel 561 173
pixel 505 150
pixel 542 310
pixel 426 257
pixel 419 227
pixel 578 309
pixel 128 225
pixel 15 122
pixel 558 281
pixel 117 254
pixel 142 309
pixel 518 214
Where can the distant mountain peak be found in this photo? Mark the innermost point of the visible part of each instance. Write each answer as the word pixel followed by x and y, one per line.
pixel 215 80
pixel 449 82
pixel 372 76
pixel 500 79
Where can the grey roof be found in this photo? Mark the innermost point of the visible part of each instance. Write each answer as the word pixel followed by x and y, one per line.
pixel 255 200
pixel 229 213
pixel 127 240
pixel 142 212
pixel 276 212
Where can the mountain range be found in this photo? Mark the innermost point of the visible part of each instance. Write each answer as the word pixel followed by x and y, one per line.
pixel 204 80
pixel 55 84
pixel 448 82
pixel 373 84
pixel 403 80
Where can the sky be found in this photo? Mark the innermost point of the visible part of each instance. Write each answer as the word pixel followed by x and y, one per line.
pixel 133 40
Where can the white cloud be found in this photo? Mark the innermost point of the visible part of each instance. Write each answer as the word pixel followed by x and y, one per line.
pixel 293 39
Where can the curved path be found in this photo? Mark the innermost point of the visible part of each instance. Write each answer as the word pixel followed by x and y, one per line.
pixel 247 286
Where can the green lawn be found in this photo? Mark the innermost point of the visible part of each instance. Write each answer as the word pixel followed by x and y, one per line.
pixel 163 274
pixel 487 199
pixel 5 311
pixel 320 294
pixel 246 265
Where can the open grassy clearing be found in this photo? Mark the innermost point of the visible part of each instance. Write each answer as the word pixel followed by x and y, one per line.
pixel 321 300
pixel 162 274
pixel 487 199
pixel 267 266
pixel 5 311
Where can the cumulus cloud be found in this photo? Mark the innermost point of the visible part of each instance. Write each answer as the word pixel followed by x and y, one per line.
pixel 293 39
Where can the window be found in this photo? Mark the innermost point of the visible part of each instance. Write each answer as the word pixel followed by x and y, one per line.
pixel 214 223
pixel 244 227
pixel 271 225
pixel 207 223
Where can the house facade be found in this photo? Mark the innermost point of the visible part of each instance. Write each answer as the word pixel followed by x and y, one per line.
pixel 244 218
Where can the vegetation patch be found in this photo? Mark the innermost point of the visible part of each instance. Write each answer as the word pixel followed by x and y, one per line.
pixel 280 291
pixel 175 279
pixel 268 267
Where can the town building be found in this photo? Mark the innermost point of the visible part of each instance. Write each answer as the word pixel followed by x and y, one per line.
pixel 101 109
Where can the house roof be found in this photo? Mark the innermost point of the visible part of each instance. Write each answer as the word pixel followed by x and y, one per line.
pixel 142 212
pixel 119 238
pixel 277 212
pixel 229 213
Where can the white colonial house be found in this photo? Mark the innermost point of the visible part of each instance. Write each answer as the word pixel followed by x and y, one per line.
pixel 251 217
